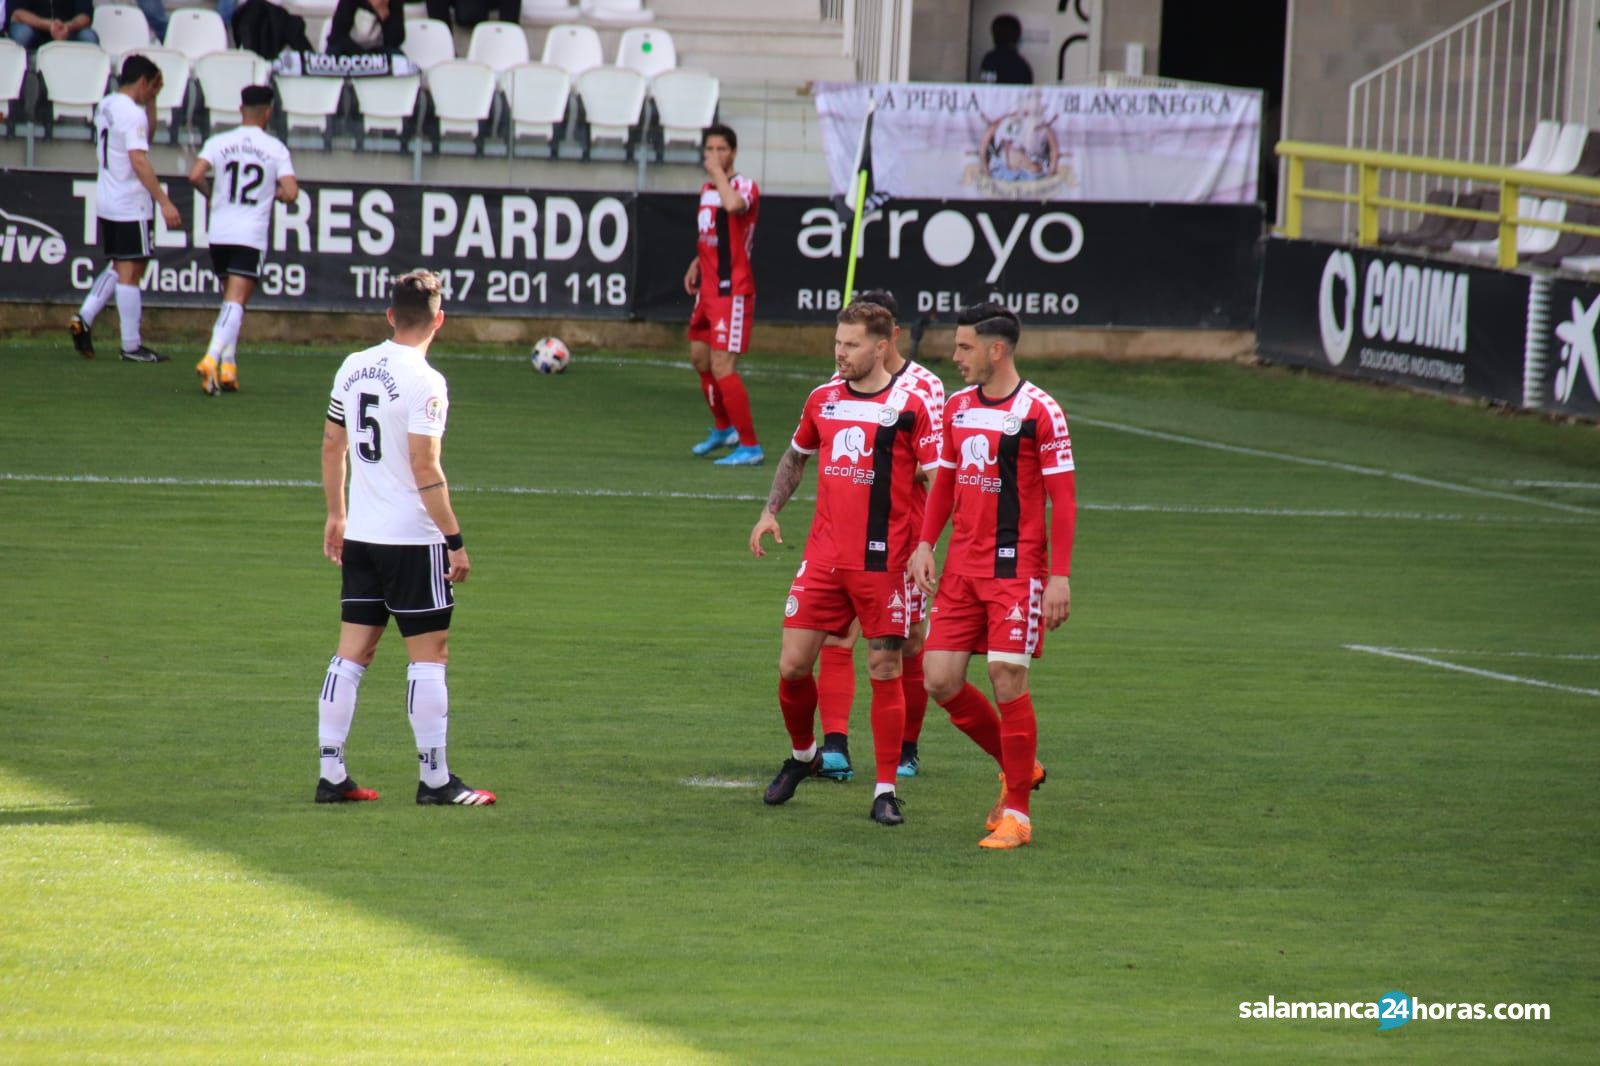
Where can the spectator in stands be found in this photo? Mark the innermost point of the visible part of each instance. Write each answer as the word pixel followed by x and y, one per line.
pixel 471 12
pixel 155 13
pixel 1004 65
pixel 36 22
pixel 361 27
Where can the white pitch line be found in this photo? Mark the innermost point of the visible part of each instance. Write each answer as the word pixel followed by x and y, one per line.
pixel 717 782
pixel 1331 464
pixel 1576 657
pixel 1492 675
pixel 747 497
pixel 1592 486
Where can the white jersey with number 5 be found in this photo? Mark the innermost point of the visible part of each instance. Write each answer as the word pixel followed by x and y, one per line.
pixel 246 164
pixel 120 126
pixel 380 396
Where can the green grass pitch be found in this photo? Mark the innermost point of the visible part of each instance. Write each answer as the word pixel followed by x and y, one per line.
pixel 1242 802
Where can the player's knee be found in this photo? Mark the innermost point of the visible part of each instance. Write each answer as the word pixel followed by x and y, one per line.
pixel 1009 680
pixel 942 686
pixel 793 669
pixel 884 664
pixel 723 364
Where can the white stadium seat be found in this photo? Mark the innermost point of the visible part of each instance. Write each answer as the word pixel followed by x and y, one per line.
pixel 429 42
pixel 320 41
pixel 1531 240
pixel 175 69
pixel 463 98
pixel 13 72
pixel 221 76
pixel 385 105
pixel 1539 145
pixel 498 45
pixel 574 49
pixel 544 12
pixel 613 104
pixel 538 96
pixel 308 103
pixel 310 9
pixel 648 51
pixel 686 103
pixel 74 76
pixel 122 28
pixel 196 31
pixel 617 11
pixel 1567 150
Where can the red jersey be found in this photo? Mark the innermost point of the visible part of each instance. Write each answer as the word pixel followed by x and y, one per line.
pixel 998 454
pixel 871 446
pixel 726 240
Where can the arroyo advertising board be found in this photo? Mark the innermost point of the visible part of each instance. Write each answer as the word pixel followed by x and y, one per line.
pixel 1372 313
pixel 1568 377
pixel 508 252
pixel 1173 266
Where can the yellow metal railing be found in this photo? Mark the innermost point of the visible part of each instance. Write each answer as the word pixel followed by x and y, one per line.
pixel 1511 182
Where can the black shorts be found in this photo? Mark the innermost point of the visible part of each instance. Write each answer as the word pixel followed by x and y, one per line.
pixel 239 259
pixel 406 580
pixel 125 240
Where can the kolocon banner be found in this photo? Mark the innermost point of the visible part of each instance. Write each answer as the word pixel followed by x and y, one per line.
pixel 1567 377
pixel 986 142
pixel 1373 313
pixel 1159 266
pixel 499 251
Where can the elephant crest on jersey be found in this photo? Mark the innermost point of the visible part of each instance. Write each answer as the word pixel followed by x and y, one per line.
pixel 976 451
pixel 851 441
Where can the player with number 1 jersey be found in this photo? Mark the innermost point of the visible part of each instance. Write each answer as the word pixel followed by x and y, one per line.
pixel 242 173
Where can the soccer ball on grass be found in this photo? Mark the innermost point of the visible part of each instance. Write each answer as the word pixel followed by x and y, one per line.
pixel 550 356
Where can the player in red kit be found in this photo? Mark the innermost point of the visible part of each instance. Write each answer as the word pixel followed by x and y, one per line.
pixel 1006 451
pixel 724 290
pixel 836 670
pixel 873 438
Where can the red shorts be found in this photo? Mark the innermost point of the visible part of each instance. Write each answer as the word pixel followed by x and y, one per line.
pixel 916 602
pixel 827 599
pixel 988 615
pixel 723 322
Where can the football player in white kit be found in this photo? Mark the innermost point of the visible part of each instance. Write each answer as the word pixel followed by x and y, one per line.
pixel 252 172
pixel 125 192
pixel 398 543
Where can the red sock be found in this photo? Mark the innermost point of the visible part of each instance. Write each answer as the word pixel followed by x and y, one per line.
pixel 713 398
pixel 971 713
pixel 737 401
pixel 1019 742
pixel 798 700
pixel 888 725
pixel 916 696
pixel 836 688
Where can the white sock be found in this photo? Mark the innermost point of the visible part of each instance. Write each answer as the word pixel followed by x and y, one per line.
pixel 100 293
pixel 129 308
pixel 807 755
pixel 1018 815
pixel 225 334
pixel 336 709
pixel 428 707
pixel 879 790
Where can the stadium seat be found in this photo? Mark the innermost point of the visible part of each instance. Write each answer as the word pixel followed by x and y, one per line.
pixel 1572 244
pixel 617 11
pixel 1531 240
pixel 1567 150
pixel 1539 144
pixel 175 69
pixel 538 96
pixel 498 45
pixel 307 103
pixel 386 106
pixel 13 73
pixel 573 48
pixel 686 103
pixel 463 93
pixel 122 28
pixel 613 106
pixel 648 51
pixel 221 76
pixel 320 40
pixel 429 42
pixel 310 9
pixel 544 12
pixel 74 77
pixel 196 31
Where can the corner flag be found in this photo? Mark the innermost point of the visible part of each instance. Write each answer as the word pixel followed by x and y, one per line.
pixel 861 197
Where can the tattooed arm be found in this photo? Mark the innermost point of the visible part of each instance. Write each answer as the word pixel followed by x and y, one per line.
pixel 784 481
